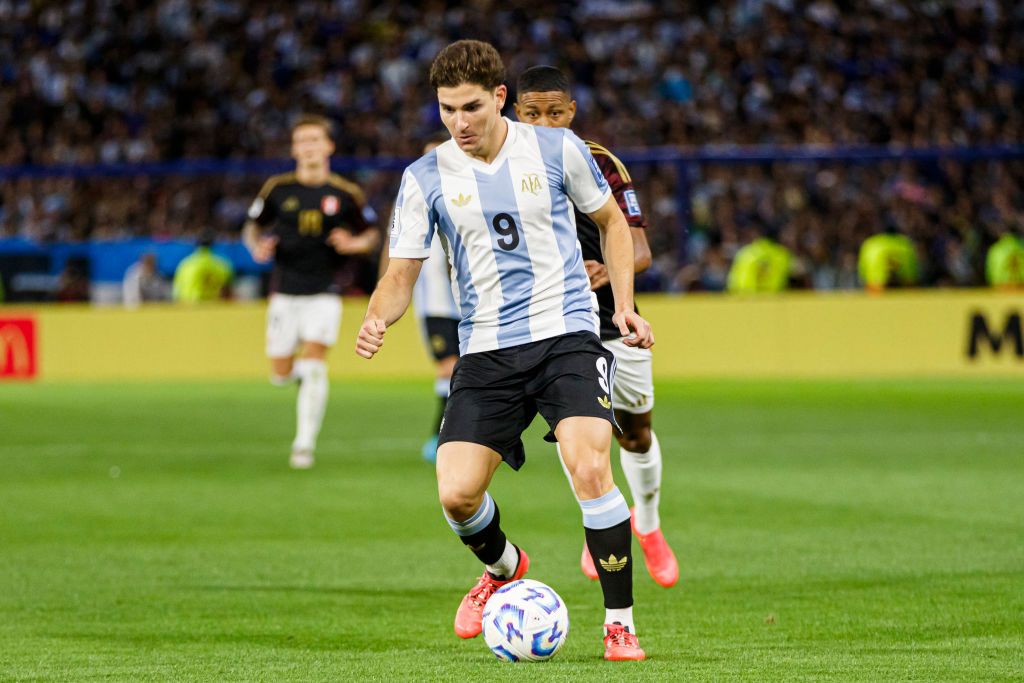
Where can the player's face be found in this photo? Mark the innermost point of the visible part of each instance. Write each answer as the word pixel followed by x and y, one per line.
pixel 551 109
pixel 471 113
pixel 311 146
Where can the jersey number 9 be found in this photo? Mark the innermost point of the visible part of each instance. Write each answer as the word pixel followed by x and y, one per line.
pixel 506 226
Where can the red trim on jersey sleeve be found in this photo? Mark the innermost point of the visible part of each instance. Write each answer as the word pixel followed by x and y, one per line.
pixel 622 189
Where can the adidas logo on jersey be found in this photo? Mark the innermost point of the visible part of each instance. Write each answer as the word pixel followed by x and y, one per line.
pixel 605 403
pixel 614 564
pixel 462 200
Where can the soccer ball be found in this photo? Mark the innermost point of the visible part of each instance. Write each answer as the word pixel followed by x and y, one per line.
pixel 525 621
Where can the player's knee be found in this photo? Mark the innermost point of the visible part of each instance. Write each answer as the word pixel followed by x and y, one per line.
pixel 636 439
pixel 458 505
pixel 591 476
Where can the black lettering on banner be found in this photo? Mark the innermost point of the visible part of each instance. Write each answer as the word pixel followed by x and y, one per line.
pixel 505 225
pixel 980 333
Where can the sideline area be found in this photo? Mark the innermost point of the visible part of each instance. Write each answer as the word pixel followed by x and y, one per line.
pixel 807 334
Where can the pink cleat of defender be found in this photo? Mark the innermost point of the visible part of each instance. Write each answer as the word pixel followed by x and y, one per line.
pixel 659 558
pixel 587 564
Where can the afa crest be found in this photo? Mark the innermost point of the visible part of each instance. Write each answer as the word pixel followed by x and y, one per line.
pixel 531 183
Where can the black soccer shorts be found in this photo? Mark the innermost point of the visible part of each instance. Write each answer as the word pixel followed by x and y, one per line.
pixel 496 394
pixel 443 335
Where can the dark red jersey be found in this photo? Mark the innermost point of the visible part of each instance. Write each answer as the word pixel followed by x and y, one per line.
pixel 590 239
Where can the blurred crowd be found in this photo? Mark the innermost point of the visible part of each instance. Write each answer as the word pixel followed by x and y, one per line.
pixel 98 81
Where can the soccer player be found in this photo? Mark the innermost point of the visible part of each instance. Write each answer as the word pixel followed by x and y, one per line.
pixel 307 222
pixel 543 98
pixel 438 317
pixel 501 195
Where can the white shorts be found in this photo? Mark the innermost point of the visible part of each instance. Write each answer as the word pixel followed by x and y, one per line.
pixel 294 318
pixel 633 386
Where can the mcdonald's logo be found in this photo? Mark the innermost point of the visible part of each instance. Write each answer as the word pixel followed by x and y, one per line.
pixel 17 348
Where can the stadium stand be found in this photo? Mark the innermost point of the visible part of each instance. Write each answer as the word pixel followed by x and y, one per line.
pixel 86 83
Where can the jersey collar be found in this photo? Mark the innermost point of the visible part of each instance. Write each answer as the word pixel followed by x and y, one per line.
pixel 503 153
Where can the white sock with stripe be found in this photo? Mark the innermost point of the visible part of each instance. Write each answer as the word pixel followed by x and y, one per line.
pixel 505 567
pixel 623 615
pixel 643 472
pixel 311 402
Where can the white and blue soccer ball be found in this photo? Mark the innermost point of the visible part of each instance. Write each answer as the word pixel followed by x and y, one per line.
pixel 525 621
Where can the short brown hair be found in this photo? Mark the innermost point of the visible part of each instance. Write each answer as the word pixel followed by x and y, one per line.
pixel 314 120
pixel 467 61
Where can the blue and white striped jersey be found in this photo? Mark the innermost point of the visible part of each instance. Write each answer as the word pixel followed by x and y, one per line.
pixel 432 296
pixel 509 231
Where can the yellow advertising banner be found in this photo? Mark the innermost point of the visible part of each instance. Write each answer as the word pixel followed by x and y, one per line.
pixel 897 334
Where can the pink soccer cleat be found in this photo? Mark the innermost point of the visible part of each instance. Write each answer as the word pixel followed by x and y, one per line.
pixel 469 618
pixel 658 556
pixel 620 645
pixel 587 563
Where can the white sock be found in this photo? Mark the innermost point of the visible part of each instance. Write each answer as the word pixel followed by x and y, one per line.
pixel 312 400
pixel 507 564
pixel 623 615
pixel 284 380
pixel 565 469
pixel 643 472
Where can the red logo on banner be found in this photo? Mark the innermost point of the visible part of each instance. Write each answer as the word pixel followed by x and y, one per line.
pixel 330 205
pixel 17 348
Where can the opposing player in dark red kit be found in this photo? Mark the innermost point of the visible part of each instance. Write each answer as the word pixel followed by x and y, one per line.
pixel 544 99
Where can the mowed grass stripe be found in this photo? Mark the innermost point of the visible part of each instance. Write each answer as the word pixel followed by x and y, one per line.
pixel 827 531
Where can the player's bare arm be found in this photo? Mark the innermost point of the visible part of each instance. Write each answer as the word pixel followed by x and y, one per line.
pixel 260 246
pixel 388 303
pixel 618 250
pixel 345 242
pixel 598 273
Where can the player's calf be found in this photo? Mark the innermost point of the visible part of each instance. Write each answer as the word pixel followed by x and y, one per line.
pixel 606 525
pixel 481 532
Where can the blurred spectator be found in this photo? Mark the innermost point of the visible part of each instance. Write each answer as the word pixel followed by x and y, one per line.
pixel 99 82
pixel 73 282
pixel 887 260
pixel 1004 265
pixel 202 276
pixel 143 282
pixel 761 266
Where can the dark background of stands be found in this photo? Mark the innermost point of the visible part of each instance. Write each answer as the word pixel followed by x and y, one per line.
pixel 154 121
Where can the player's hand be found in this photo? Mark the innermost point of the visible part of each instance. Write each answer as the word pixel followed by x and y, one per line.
pixel 343 242
pixel 371 337
pixel 635 330
pixel 264 250
pixel 598 274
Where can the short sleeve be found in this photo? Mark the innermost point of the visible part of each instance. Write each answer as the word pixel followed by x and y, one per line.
pixel 355 216
pixel 584 182
pixel 412 223
pixel 619 180
pixel 263 210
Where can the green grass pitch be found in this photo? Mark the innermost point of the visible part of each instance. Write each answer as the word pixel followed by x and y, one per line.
pixel 826 531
